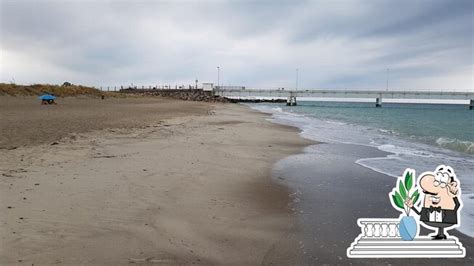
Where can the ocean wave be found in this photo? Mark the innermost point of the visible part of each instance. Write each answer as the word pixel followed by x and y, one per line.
pixel 400 150
pixel 387 131
pixel 409 151
pixel 456 144
pixel 335 122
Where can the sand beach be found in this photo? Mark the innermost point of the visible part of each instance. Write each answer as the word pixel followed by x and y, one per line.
pixel 236 132
pixel 148 180
pixel 142 180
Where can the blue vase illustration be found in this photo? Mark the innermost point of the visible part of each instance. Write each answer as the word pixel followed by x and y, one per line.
pixel 403 198
pixel 408 228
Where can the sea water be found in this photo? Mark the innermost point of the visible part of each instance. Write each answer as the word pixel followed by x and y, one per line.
pixel 418 136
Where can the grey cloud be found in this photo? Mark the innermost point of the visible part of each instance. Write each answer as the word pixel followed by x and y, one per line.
pixel 432 15
pixel 334 43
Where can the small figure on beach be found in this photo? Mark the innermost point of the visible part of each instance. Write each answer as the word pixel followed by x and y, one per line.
pixel 47 99
pixel 442 201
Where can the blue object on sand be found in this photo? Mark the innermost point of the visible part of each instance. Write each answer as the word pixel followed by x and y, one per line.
pixel 46 97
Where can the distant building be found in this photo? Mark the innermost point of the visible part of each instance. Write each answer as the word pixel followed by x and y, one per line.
pixel 208 86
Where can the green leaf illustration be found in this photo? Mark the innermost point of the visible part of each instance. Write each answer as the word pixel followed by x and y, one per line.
pixel 408 180
pixel 397 200
pixel 415 197
pixel 402 190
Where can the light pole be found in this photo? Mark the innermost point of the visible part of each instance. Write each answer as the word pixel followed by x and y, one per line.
pixel 296 79
pixel 218 73
pixel 388 74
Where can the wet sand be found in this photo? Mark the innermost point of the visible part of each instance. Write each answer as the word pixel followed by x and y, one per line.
pixel 191 185
pixel 331 191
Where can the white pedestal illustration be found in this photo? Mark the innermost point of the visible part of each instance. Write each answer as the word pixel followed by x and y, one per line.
pixel 380 238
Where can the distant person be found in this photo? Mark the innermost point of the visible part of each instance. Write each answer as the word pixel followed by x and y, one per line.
pixel 47 99
pixel 51 101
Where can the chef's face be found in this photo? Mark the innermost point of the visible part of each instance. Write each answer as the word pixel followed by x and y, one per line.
pixel 435 187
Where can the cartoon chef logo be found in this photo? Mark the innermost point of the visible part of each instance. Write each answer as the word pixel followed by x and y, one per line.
pixel 438 193
pixel 441 204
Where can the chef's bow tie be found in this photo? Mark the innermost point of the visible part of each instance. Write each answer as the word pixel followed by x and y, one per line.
pixel 436 209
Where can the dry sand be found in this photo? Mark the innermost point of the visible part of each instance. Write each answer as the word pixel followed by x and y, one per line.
pixel 24 121
pixel 194 188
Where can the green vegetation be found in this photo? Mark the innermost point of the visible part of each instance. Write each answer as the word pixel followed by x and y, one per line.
pixel 399 196
pixel 67 89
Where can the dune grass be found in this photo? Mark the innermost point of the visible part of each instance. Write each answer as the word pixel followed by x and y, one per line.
pixel 57 90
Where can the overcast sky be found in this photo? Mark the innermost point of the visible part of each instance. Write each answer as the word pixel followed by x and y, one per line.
pixel 426 44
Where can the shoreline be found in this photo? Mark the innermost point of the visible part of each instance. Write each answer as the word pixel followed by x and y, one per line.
pixel 185 189
pixel 329 193
pixel 400 152
pixel 210 184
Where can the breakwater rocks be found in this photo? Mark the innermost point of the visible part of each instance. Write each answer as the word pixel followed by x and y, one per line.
pixel 194 95
pixel 180 94
pixel 258 100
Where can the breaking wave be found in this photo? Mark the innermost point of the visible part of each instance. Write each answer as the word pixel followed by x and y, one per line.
pixel 456 144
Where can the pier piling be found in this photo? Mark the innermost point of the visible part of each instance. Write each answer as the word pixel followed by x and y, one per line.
pixel 291 101
pixel 378 102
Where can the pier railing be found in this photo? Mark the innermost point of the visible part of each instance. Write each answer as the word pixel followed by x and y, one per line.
pixel 386 94
pixel 148 87
pixel 378 95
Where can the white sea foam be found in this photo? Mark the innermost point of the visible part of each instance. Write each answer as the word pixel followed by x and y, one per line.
pixel 455 144
pixel 403 152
